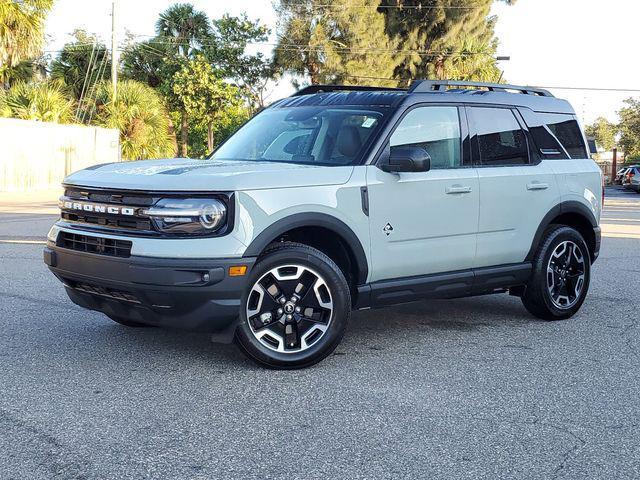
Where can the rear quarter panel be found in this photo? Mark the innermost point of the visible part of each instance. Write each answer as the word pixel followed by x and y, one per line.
pixel 580 180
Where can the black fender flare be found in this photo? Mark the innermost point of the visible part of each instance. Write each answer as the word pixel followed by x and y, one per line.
pixel 313 219
pixel 571 206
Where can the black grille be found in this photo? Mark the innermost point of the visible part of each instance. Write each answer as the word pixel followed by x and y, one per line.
pixel 97 245
pixel 108 222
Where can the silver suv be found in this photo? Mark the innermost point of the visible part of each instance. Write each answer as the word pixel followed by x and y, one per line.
pixel 340 198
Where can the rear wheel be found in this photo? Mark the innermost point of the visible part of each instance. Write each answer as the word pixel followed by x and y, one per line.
pixel 561 275
pixel 296 307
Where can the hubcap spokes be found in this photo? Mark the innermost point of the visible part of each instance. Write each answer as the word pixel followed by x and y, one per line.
pixel 289 308
pixel 565 274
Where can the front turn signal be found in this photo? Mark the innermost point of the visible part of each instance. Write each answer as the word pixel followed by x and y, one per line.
pixel 237 270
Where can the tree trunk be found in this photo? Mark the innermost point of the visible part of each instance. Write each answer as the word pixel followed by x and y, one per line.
pixel 314 71
pixel 210 137
pixel 184 135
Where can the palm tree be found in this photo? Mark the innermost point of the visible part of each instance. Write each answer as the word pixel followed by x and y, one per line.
pixel 139 115
pixel 185 27
pixel 21 31
pixel 80 65
pixel 185 30
pixel 43 101
pixel 469 59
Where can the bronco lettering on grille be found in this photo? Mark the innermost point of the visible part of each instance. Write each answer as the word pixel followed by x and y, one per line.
pixel 97 208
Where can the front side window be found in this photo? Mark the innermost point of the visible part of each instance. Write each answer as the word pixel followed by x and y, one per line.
pixel 305 135
pixel 501 141
pixel 436 129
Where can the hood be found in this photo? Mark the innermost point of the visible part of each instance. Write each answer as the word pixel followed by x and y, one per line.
pixel 183 174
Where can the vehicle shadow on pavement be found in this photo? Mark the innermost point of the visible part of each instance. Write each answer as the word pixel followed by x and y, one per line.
pixel 100 338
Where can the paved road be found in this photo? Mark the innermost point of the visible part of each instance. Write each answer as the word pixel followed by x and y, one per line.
pixel 472 388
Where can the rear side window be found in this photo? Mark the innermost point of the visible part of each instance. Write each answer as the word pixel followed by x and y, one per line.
pixel 550 131
pixel 501 141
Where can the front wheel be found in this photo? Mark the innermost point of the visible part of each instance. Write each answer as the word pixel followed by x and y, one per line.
pixel 296 307
pixel 561 275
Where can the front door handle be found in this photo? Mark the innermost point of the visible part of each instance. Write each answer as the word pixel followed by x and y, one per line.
pixel 453 189
pixel 537 186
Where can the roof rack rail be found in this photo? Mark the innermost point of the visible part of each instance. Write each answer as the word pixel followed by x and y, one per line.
pixel 337 88
pixel 422 86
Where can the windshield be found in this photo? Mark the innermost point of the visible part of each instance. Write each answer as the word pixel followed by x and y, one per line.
pixel 305 135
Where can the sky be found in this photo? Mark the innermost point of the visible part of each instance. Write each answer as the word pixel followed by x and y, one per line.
pixel 553 43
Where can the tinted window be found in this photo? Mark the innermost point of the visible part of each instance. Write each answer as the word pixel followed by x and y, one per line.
pixel 550 130
pixel 567 131
pixel 546 142
pixel 501 141
pixel 308 135
pixel 436 129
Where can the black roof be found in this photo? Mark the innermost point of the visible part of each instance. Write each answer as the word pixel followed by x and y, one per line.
pixel 381 98
pixel 534 98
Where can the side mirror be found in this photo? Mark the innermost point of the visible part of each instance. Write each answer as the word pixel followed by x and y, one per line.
pixel 406 159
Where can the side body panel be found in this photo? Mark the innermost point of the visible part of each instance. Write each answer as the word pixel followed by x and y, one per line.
pixel 513 202
pixel 432 231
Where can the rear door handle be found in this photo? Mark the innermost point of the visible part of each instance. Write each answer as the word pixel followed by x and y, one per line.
pixel 537 186
pixel 453 189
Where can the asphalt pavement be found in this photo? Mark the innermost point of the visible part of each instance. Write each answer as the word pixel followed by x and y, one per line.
pixel 461 389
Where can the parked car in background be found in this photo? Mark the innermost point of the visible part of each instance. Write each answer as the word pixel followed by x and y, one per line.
pixel 620 176
pixel 635 182
pixel 632 171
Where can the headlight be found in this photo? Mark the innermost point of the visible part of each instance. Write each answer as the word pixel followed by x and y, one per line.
pixel 192 216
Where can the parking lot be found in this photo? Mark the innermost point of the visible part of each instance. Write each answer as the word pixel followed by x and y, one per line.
pixel 472 388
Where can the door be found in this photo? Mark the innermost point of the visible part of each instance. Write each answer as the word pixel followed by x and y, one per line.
pixel 516 190
pixel 425 222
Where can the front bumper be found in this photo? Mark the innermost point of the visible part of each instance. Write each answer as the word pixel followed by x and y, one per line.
pixel 194 294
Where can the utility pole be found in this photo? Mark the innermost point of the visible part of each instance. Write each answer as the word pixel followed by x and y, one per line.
pixel 114 49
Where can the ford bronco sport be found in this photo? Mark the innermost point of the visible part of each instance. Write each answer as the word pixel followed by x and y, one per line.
pixel 340 198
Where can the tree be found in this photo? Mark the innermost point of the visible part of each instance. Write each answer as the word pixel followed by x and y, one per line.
pixel 227 53
pixel 432 33
pixel 630 128
pixel 21 32
pixel 82 64
pixel 468 59
pixel 343 41
pixel 43 101
pixel 149 62
pixel 208 101
pixel 185 31
pixel 140 116
pixel 604 132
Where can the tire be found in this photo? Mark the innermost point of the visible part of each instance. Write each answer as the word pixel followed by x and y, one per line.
pixel 295 309
pixel 557 289
pixel 129 323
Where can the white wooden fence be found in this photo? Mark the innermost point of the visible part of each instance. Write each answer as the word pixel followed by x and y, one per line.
pixel 38 155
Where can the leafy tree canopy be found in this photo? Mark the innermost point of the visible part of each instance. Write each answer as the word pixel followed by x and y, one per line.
pixel 343 41
pixel 82 64
pixel 43 101
pixel 21 33
pixel 630 128
pixel 210 103
pixel 604 132
pixel 139 114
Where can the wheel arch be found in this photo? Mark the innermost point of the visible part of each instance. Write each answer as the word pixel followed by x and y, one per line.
pixel 573 214
pixel 296 224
